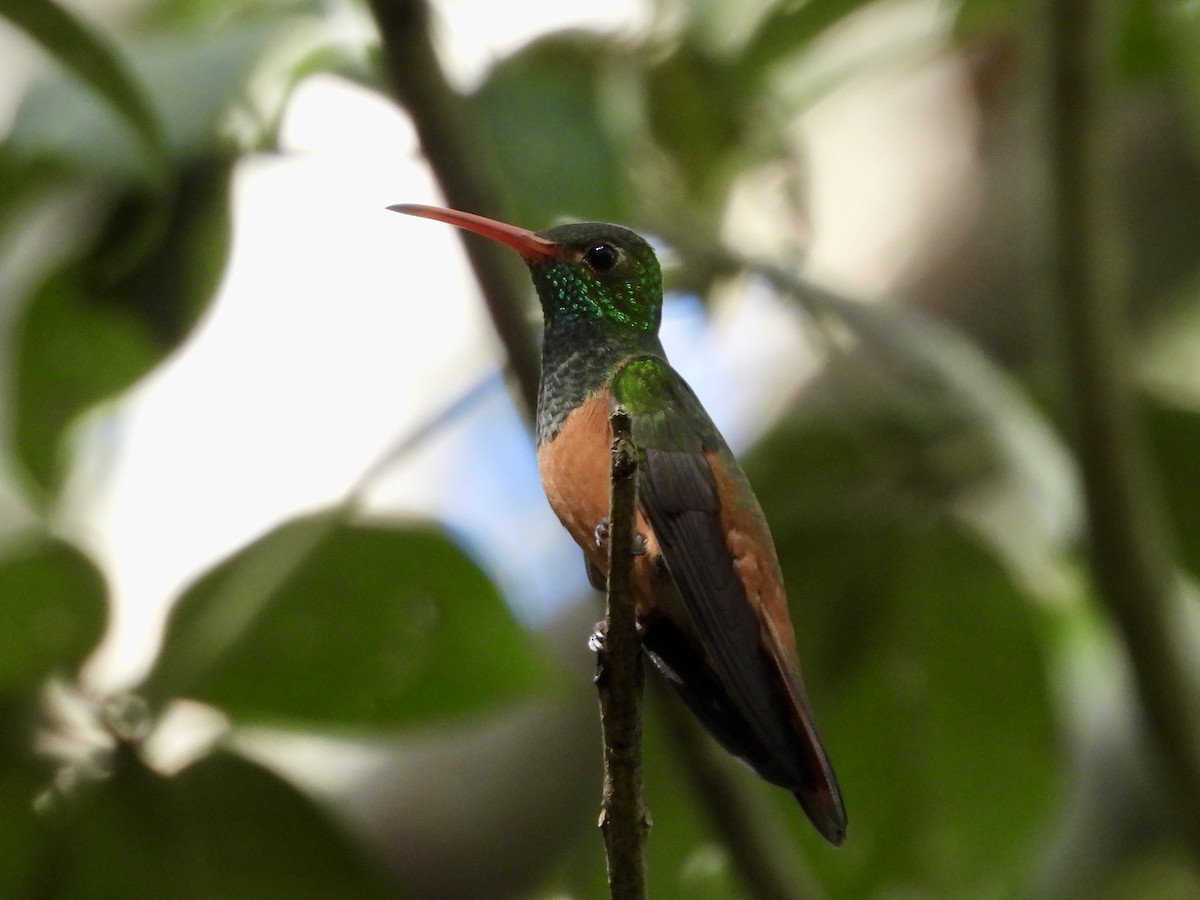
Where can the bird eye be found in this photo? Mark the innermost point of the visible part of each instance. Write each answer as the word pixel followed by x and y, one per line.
pixel 602 256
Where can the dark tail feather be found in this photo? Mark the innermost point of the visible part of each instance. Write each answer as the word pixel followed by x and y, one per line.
pixel 824 810
pixel 812 782
pixel 805 770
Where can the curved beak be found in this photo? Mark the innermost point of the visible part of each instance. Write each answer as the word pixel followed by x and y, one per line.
pixel 531 246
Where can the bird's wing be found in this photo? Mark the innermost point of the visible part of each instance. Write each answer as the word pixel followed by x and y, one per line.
pixel 688 478
pixel 739 649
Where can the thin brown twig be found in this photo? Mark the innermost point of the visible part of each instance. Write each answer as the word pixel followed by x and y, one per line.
pixel 451 144
pixel 624 819
pixel 1129 542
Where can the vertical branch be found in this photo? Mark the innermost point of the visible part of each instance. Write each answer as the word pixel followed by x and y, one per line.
pixel 1129 545
pixel 451 145
pixel 624 820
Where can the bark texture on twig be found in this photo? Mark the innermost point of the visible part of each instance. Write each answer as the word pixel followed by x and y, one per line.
pixel 624 819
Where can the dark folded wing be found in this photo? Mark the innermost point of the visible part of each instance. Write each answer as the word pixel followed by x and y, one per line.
pixel 680 495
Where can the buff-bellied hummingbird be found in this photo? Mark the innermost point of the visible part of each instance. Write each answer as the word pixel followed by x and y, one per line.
pixel 711 607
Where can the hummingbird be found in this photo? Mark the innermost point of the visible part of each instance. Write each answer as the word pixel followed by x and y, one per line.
pixel 711 609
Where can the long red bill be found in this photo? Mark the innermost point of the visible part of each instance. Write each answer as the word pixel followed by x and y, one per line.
pixel 531 246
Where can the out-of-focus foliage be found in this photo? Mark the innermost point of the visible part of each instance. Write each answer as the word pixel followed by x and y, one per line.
pixel 130 290
pixel 1175 433
pixel 923 505
pixel 382 618
pixel 224 827
pixel 89 56
pixel 53 601
pixel 136 143
pixel 540 112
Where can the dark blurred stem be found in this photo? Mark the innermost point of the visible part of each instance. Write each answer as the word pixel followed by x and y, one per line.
pixel 768 864
pixel 450 142
pixel 1129 545
pixel 624 820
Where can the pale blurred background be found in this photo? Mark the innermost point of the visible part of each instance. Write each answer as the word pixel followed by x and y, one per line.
pixel 239 364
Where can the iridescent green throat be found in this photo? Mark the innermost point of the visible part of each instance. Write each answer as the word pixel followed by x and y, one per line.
pixel 595 318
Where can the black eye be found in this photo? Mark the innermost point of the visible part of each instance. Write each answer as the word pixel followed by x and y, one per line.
pixel 602 256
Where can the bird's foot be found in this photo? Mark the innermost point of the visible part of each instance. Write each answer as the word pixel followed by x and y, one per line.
pixel 604 528
pixel 598 644
pixel 598 637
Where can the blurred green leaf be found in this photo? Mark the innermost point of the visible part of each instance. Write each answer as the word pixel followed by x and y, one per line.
pixel 927 676
pixel 70 354
pixel 953 379
pixel 541 115
pixel 194 80
pixel 161 256
pixel 21 837
pixel 1161 875
pixel 974 16
pixel 1175 440
pixel 789 29
pixel 21 184
pixel 102 321
pixel 223 828
pixel 346 626
pixel 22 779
pixel 1142 44
pixel 192 15
pixel 78 48
pixel 1179 31
pixel 700 113
pixel 52 612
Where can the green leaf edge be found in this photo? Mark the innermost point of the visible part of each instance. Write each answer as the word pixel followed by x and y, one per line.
pixel 97 62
